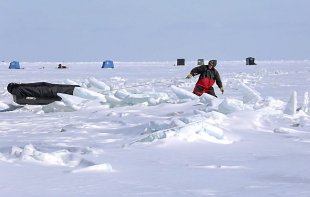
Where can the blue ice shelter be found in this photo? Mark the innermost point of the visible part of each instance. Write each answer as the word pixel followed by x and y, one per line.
pixel 14 65
pixel 108 64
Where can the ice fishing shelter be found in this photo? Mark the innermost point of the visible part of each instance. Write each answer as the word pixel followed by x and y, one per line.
pixel 200 62
pixel 180 62
pixel 250 61
pixel 14 65
pixel 108 64
pixel 60 66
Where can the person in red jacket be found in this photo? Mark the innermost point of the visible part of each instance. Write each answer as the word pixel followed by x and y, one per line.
pixel 208 76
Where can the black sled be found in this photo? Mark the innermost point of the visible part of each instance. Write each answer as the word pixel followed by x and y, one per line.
pixel 40 93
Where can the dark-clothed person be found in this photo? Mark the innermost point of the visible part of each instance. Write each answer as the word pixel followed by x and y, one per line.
pixel 208 76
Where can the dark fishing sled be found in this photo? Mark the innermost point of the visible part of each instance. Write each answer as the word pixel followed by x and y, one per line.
pixel 40 93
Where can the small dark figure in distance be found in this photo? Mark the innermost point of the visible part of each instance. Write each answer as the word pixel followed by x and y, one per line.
pixel 208 76
pixel 61 66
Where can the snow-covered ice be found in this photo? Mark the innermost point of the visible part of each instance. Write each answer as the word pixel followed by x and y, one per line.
pixel 138 130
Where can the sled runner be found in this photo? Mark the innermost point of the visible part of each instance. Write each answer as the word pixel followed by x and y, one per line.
pixel 40 93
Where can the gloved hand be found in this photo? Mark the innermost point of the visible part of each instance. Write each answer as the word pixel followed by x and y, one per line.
pixel 222 90
pixel 189 76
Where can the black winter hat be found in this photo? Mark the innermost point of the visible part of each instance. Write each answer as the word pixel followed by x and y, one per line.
pixel 213 62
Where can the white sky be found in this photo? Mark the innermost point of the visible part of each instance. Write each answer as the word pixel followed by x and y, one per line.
pixel 153 30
